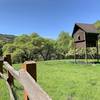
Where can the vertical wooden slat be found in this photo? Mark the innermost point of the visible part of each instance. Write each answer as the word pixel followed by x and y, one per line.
pixel 75 52
pixel 10 77
pixel 1 65
pixel 86 57
pixel 97 51
pixel 30 67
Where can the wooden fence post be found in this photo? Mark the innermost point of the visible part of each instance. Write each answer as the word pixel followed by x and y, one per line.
pixel 10 77
pixel 30 67
pixel 1 65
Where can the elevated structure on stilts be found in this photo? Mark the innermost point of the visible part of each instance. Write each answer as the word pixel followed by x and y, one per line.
pixel 85 36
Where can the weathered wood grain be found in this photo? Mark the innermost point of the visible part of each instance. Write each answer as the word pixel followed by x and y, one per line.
pixel 34 91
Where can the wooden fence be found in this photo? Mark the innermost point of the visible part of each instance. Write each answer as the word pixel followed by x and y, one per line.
pixel 27 78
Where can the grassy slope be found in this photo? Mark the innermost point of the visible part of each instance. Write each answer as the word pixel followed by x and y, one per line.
pixel 63 80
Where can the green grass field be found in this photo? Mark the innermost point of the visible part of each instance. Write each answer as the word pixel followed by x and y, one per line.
pixel 63 80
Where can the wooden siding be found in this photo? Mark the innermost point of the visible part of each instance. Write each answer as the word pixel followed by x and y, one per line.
pixel 80 44
pixel 79 36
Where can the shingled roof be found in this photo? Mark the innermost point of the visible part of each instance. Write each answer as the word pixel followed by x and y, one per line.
pixel 88 28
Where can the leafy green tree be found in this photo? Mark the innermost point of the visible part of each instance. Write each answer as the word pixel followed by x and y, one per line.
pixel 23 39
pixel 44 47
pixel 17 56
pixel 9 48
pixel 97 24
pixel 47 51
pixel 34 35
pixel 35 47
pixel 63 44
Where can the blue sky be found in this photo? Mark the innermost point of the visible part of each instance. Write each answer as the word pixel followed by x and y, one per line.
pixel 46 17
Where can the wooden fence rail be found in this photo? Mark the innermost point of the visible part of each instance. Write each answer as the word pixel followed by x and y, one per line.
pixel 27 78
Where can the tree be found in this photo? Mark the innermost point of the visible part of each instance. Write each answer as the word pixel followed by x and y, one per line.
pixel 35 47
pixel 44 47
pixel 23 39
pixel 34 35
pixel 47 51
pixel 63 44
pixel 97 24
pixel 9 48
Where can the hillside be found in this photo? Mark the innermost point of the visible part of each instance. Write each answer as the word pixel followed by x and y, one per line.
pixel 6 38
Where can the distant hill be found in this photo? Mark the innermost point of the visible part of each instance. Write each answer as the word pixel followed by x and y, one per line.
pixel 7 38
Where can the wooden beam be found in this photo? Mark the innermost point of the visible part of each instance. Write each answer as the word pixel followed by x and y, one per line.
pixel 30 67
pixel 97 51
pixel 1 65
pixel 10 77
pixel 34 91
pixel 86 52
pixel 75 52
pixel 12 71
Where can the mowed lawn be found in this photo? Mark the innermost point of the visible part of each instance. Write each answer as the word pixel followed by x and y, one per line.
pixel 64 80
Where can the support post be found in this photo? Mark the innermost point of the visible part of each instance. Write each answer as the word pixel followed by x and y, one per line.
pixel 86 55
pixel 75 52
pixel 97 51
pixel 1 65
pixel 10 77
pixel 30 67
